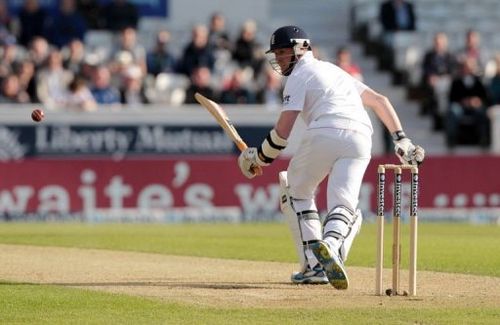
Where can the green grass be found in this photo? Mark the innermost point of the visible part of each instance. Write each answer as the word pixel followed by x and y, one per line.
pixel 461 248
pixel 266 242
pixel 41 304
pixel 449 247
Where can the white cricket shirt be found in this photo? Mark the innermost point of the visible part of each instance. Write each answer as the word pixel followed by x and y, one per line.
pixel 326 95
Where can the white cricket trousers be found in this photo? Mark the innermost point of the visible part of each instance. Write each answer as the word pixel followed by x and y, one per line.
pixel 342 155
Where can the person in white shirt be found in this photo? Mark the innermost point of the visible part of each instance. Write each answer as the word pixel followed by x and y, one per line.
pixel 336 145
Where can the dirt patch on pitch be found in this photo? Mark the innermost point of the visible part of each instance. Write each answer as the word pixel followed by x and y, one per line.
pixel 228 283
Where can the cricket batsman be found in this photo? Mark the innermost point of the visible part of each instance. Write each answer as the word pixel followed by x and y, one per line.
pixel 336 145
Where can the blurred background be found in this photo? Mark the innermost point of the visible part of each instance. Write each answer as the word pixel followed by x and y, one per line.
pixel 124 140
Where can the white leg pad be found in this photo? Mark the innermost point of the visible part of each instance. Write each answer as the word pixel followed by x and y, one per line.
pixel 304 226
pixel 310 227
pixel 340 228
pixel 291 218
pixel 355 229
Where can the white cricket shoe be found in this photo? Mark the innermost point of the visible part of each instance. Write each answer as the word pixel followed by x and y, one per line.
pixel 315 275
pixel 332 264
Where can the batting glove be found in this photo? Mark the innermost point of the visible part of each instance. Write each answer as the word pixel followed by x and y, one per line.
pixel 406 151
pixel 249 162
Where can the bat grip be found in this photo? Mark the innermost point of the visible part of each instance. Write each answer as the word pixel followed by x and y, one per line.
pixel 241 145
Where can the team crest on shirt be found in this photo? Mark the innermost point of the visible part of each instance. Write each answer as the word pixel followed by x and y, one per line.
pixel 286 99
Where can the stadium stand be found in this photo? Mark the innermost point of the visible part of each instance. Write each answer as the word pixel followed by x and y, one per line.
pixel 455 18
pixel 331 25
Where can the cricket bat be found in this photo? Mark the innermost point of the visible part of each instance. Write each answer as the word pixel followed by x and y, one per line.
pixel 221 117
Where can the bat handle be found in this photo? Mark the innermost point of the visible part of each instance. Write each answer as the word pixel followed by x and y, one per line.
pixel 241 145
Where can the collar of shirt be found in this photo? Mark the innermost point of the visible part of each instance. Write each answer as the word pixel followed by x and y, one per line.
pixel 308 57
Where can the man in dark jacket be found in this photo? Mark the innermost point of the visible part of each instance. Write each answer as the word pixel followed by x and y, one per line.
pixel 396 15
pixel 467 110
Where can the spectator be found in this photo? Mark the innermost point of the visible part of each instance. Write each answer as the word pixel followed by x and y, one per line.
pixel 219 41
pixel 247 51
pixel 38 52
pixel 166 88
pixel 7 23
pixel 467 119
pixel 197 52
pixel 218 37
pixel 128 52
pixel 343 60
pixel 200 82
pixel 394 16
pixel 25 71
pixel 120 14
pixel 160 59
pixel 260 64
pixel 246 45
pixel 494 85
pixel 102 89
pixel 438 67
pixel 132 88
pixel 8 54
pixel 91 12
pixel 11 92
pixel 235 91
pixel 473 50
pixel 52 80
pixel 79 96
pixel 32 19
pixel 74 56
pixel 67 24
pixel 397 15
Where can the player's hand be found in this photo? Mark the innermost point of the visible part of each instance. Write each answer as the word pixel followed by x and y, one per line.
pixel 408 153
pixel 248 162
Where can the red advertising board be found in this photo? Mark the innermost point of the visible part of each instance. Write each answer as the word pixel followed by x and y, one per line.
pixel 65 185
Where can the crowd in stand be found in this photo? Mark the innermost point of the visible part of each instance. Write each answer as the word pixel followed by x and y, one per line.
pixel 44 59
pixel 457 90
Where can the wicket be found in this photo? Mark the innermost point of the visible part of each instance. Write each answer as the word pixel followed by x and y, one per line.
pixel 396 224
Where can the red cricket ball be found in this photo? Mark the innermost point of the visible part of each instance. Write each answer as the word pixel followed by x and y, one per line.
pixel 37 115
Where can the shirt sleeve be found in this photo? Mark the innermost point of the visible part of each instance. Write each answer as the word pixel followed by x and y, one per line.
pixel 360 87
pixel 294 95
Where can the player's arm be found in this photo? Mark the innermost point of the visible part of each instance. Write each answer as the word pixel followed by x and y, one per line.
pixel 382 108
pixel 285 123
pixel 404 148
pixel 271 147
pixel 276 140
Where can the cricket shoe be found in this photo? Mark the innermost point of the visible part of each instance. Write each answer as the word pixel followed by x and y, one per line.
pixel 332 264
pixel 315 275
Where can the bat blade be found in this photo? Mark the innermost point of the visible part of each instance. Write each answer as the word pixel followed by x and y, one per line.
pixel 221 117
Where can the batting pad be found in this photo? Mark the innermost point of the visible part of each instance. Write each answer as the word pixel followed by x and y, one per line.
pixel 340 228
pixel 304 226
